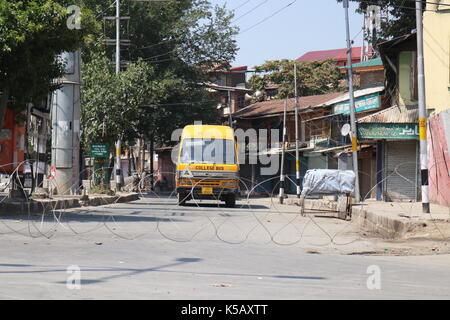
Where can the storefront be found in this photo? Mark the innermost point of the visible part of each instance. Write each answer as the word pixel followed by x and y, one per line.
pixel 397 159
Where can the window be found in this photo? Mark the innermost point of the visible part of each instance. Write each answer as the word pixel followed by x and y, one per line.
pixel 221 80
pixel 208 151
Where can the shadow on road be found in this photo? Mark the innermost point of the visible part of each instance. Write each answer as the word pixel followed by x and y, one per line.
pixel 127 272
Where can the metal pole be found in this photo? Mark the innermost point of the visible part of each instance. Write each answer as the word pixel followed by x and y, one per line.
pixel 117 36
pixel 66 127
pixel 297 152
pixel 352 104
pixel 230 118
pixel 152 173
pixel 282 175
pixel 422 109
pixel 119 141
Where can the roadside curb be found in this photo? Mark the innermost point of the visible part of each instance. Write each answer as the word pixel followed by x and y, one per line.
pixel 47 205
pixel 392 228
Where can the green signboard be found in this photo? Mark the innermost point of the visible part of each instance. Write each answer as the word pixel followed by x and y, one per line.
pixel 369 102
pixel 99 151
pixel 388 130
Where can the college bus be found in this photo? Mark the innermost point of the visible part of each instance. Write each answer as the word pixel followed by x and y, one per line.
pixel 207 166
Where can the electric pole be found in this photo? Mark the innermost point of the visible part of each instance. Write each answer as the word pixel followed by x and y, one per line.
pixel 282 175
pixel 422 109
pixel 297 152
pixel 65 115
pixel 119 140
pixel 230 118
pixel 352 104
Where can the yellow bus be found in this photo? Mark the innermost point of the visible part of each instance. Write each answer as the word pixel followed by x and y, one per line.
pixel 207 166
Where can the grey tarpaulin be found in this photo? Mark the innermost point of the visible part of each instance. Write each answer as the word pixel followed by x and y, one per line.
pixel 331 182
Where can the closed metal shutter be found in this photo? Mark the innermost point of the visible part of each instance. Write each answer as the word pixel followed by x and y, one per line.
pixel 401 171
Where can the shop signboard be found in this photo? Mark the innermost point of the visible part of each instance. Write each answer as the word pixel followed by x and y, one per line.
pixel 388 131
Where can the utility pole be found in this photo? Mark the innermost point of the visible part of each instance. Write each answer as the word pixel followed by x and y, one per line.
pixel 65 115
pixel 352 104
pixel 119 140
pixel 230 118
pixel 118 42
pixel 152 151
pixel 422 109
pixel 297 152
pixel 282 175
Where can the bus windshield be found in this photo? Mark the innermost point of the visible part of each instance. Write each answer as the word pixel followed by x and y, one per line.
pixel 208 151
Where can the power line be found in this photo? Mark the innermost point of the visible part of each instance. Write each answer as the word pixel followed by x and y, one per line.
pixel 160 55
pixel 267 18
pixel 240 6
pixel 154 45
pixel 249 28
pixel 250 11
pixel 101 13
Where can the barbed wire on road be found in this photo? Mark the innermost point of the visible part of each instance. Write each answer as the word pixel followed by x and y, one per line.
pixel 284 228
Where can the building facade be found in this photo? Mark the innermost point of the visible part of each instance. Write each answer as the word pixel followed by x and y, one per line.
pixel 437 84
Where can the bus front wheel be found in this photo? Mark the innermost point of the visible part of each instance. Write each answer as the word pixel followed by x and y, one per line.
pixel 182 199
pixel 230 201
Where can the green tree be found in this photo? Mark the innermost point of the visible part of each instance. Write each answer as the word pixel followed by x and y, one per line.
pixel 313 78
pixel 111 103
pixel 180 40
pixel 32 34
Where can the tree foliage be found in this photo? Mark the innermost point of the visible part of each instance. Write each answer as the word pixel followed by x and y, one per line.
pixel 32 34
pixel 313 78
pixel 111 102
pixel 178 41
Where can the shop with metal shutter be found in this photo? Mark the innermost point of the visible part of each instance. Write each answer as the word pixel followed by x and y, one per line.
pixel 401 170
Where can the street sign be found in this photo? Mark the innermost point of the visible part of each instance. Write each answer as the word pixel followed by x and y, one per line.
pixel 99 151
pixel 364 103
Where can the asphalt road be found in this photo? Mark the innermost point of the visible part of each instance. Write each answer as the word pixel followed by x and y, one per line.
pixel 154 249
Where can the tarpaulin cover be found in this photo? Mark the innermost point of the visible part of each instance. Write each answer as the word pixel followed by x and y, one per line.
pixel 325 181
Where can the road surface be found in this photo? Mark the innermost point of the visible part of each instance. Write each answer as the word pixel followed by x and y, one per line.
pixel 154 249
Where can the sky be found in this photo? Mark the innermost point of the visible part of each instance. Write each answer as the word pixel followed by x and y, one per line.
pixel 304 26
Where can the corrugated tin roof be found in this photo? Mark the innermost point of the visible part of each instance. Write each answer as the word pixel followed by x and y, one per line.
pixel 277 106
pixel 396 41
pixel 215 87
pixel 393 114
pixel 336 54
pixel 365 64
pixel 356 94
pixel 241 68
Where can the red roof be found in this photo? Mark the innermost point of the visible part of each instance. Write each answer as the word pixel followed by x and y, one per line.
pixel 335 54
pixel 243 68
